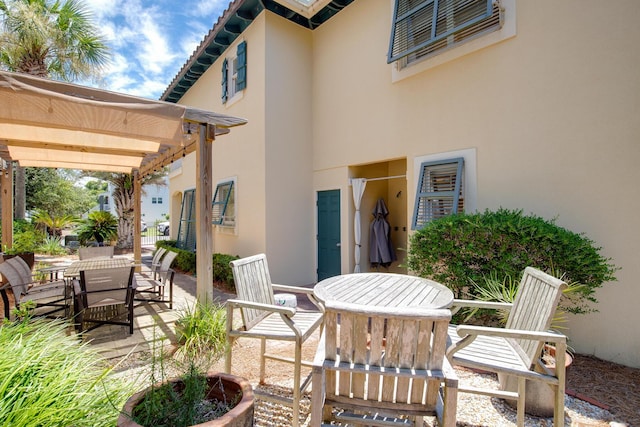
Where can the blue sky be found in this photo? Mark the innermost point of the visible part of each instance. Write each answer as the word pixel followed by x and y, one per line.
pixel 150 40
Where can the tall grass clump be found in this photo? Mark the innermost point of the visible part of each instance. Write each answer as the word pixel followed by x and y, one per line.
pixel 49 378
pixel 201 330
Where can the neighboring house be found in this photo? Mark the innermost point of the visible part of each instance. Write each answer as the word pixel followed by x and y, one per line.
pixel 154 203
pixel 533 104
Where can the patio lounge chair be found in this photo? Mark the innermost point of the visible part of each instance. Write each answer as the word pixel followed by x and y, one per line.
pixel 162 278
pixel 95 252
pixel 516 350
pixel 376 364
pixel 104 296
pixel 156 260
pixel 52 294
pixel 264 320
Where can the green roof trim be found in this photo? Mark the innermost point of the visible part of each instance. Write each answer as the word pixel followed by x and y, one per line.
pixel 235 19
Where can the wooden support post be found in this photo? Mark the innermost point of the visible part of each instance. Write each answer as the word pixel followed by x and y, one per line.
pixel 6 187
pixel 204 236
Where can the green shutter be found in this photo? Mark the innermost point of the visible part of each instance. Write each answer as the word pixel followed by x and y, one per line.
pixel 225 73
pixel 439 189
pixel 241 81
pixel 421 23
pixel 187 226
pixel 221 201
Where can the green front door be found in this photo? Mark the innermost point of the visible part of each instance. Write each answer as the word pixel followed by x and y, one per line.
pixel 328 234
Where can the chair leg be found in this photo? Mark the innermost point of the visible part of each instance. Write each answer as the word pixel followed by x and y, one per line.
pixel 263 349
pixel 558 411
pixel 522 382
pixel 296 383
pixel 317 396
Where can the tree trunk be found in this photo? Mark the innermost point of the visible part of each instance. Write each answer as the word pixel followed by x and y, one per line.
pixel 20 194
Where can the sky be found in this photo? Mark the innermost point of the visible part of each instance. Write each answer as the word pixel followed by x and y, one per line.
pixel 150 40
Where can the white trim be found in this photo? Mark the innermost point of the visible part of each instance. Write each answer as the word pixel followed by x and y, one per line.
pixel 507 31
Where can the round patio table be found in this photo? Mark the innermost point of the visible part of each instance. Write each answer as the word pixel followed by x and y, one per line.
pixel 384 290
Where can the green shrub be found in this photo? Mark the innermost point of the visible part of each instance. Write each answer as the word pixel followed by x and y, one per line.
pixel 186 261
pixel 49 378
pixel 99 225
pixel 461 249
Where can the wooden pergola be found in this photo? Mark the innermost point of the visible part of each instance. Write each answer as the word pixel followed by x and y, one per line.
pixel 45 123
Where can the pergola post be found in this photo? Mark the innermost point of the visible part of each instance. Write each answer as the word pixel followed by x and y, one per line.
pixel 6 186
pixel 204 195
pixel 137 217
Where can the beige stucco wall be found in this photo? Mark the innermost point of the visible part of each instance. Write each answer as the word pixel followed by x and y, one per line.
pixel 552 113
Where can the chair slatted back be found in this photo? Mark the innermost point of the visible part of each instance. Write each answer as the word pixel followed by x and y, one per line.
pixel 534 308
pixel 165 266
pixel 95 252
pixel 158 256
pixel 379 358
pixel 253 283
pixel 17 272
pixel 107 286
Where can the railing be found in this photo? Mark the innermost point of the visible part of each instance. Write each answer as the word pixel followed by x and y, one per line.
pixel 151 236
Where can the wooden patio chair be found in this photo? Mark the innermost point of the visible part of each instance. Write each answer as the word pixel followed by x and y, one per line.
pixel 25 287
pixel 104 296
pixel 264 320
pixel 383 366
pixel 516 350
pixel 162 278
pixel 87 252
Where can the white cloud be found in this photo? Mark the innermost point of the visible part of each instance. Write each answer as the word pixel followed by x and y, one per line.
pixel 150 40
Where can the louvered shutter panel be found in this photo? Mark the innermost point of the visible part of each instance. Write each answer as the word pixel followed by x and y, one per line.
pixel 421 23
pixel 241 80
pixel 439 190
pixel 220 202
pixel 225 73
pixel 187 227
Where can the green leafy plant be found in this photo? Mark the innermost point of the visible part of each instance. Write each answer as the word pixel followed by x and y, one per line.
pixel 49 378
pixel 52 246
pixel 99 225
pixel 460 249
pixel 201 330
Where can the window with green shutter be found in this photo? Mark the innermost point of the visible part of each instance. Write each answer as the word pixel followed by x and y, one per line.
pixel 234 73
pixel 421 28
pixel 223 205
pixel 440 191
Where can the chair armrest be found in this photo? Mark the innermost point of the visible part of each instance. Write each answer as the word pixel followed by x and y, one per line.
pixel 287 311
pixel 299 289
pixel 467 303
pixel 470 330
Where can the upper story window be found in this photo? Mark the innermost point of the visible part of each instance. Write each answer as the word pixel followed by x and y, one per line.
pixel 224 205
pixel 234 73
pixel 422 28
pixel 156 200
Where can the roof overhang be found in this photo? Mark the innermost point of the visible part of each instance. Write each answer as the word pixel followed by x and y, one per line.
pixel 46 123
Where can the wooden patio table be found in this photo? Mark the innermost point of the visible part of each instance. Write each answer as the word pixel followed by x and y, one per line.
pixel 384 290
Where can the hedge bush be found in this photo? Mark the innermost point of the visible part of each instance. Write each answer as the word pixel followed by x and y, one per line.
pixel 460 249
pixel 186 261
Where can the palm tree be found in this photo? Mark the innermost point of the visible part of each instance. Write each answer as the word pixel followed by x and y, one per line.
pixel 123 199
pixel 48 38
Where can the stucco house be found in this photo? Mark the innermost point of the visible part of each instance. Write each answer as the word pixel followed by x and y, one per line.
pixel 534 103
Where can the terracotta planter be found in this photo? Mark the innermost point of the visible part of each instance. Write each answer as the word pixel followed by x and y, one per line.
pixel 240 416
pixel 539 398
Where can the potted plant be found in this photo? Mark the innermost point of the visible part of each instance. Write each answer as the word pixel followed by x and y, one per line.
pixel 99 225
pixel 197 397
